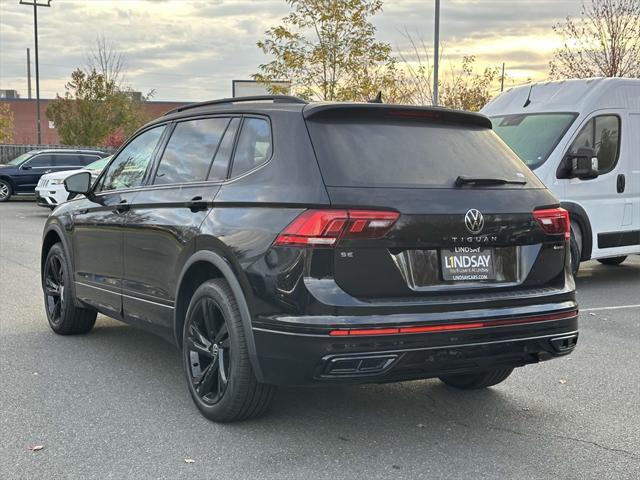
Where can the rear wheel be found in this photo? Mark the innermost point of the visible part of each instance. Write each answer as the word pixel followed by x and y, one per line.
pixel 612 260
pixel 474 381
pixel 576 247
pixel 216 358
pixel 64 317
pixel 5 191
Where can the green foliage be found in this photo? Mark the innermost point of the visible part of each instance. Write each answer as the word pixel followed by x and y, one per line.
pixel 92 108
pixel 468 90
pixel 6 123
pixel 328 50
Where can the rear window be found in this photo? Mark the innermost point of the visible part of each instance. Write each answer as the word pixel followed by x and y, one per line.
pixel 411 153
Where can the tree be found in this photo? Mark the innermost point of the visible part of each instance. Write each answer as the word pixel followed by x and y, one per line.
pixel 106 60
pixel 603 42
pixel 328 50
pixel 92 108
pixel 6 123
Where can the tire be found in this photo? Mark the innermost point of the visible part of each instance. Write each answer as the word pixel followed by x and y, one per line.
pixel 219 374
pixel 575 248
pixel 475 381
pixel 5 191
pixel 64 317
pixel 613 260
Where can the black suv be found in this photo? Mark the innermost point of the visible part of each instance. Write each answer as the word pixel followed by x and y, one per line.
pixel 21 175
pixel 282 242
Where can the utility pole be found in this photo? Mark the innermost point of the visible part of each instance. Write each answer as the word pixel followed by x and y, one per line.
pixel 502 79
pixel 436 54
pixel 35 4
pixel 29 72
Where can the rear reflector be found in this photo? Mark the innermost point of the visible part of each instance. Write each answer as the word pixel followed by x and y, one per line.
pixel 554 221
pixel 323 228
pixel 448 327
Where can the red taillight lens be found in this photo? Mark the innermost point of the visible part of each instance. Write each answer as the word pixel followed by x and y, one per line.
pixel 554 221
pixel 323 228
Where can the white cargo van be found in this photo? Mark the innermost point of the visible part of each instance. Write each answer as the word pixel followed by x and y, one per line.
pixel 582 139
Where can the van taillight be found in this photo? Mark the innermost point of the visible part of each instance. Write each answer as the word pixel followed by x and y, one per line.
pixel 323 228
pixel 554 221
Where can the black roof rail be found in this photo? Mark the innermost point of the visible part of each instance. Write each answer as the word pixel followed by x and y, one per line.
pixel 256 98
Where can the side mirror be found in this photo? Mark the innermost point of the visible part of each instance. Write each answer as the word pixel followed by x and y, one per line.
pixel 78 183
pixel 584 163
pixel 26 167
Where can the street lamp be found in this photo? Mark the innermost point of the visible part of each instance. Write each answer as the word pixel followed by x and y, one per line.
pixel 35 4
pixel 436 52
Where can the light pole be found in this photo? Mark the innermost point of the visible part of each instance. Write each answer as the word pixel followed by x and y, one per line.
pixel 35 4
pixel 436 53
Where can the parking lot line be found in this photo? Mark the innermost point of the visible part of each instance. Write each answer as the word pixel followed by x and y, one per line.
pixel 617 307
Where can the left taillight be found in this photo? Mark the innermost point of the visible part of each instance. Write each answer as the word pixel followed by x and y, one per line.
pixel 554 221
pixel 324 228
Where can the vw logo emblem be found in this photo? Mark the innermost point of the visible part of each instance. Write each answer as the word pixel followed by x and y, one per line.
pixel 474 221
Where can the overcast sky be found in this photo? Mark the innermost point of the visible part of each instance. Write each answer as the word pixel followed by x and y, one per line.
pixel 191 50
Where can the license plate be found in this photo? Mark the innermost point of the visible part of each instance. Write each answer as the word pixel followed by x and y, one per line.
pixel 467 264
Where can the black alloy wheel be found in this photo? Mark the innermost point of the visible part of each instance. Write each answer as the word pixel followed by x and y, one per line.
pixel 54 289
pixel 208 351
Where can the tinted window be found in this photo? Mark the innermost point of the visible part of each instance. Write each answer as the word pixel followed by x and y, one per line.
pixel 87 159
pixel 411 153
pixel 254 146
pixel 129 167
pixel 533 136
pixel 67 160
pixel 221 162
pixel 41 161
pixel 603 135
pixel 190 151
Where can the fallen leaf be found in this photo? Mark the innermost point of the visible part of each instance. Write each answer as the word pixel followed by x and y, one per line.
pixel 35 448
pixel 592 314
pixel 189 460
pixel 562 381
pixel 420 425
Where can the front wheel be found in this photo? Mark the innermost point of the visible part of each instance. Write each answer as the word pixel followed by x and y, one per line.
pixel 216 358
pixel 65 318
pixel 612 260
pixel 475 381
pixel 5 191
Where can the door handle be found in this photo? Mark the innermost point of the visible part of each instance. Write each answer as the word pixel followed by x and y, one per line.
pixel 122 207
pixel 620 183
pixel 196 204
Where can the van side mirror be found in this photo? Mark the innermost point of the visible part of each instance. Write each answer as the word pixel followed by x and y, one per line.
pixel 584 163
pixel 78 183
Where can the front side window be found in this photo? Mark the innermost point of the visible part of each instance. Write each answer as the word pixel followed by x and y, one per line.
pixel 254 146
pixel 40 161
pixel 190 151
pixel 129 167
pixel 601 134
pixel 533 136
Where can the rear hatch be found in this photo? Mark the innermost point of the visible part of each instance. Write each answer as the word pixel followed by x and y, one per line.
pixel 465 201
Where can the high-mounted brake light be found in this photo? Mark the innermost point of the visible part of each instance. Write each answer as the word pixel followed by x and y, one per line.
pixel 323 228
pixel 554 221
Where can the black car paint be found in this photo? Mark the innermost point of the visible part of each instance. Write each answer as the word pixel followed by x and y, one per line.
pixel 158 241
pixel 23 180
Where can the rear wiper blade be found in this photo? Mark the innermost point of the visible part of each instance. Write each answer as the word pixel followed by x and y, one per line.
pixel 461 180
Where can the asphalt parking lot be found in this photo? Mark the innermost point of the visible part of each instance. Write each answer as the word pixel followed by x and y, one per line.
pixel 113 403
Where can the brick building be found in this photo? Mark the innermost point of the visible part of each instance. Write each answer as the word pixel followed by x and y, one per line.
pixel 24 119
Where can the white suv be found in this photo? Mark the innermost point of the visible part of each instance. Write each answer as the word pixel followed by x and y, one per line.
pixel 50 191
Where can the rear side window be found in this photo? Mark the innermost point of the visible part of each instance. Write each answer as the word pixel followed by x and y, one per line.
pixel 411 153
pixel 67 160
pixel 190 151
pixel 87 159
pixel 220 166
pixel 254 146
pixel 602 134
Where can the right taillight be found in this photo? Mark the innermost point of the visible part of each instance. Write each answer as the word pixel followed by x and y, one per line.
pixel 554 221
pixel 323 228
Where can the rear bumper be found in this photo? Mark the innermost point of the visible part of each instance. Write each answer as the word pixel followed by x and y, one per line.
pixel 293 356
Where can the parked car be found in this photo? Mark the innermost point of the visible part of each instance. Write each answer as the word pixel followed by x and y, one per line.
pixel 50 191
pixel 582 139
pixel 21 175
pixel 317 243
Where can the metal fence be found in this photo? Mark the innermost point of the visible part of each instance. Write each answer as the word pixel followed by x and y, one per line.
pixel 10 151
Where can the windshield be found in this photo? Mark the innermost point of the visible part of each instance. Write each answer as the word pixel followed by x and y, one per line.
pixel 98 164
pixel 18 160
pixel 411 153
pixel 533 136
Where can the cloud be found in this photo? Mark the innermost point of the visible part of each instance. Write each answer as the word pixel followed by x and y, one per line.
pixel 191 50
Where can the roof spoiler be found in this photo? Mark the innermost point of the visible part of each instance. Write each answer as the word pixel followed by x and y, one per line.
pixel 410 112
